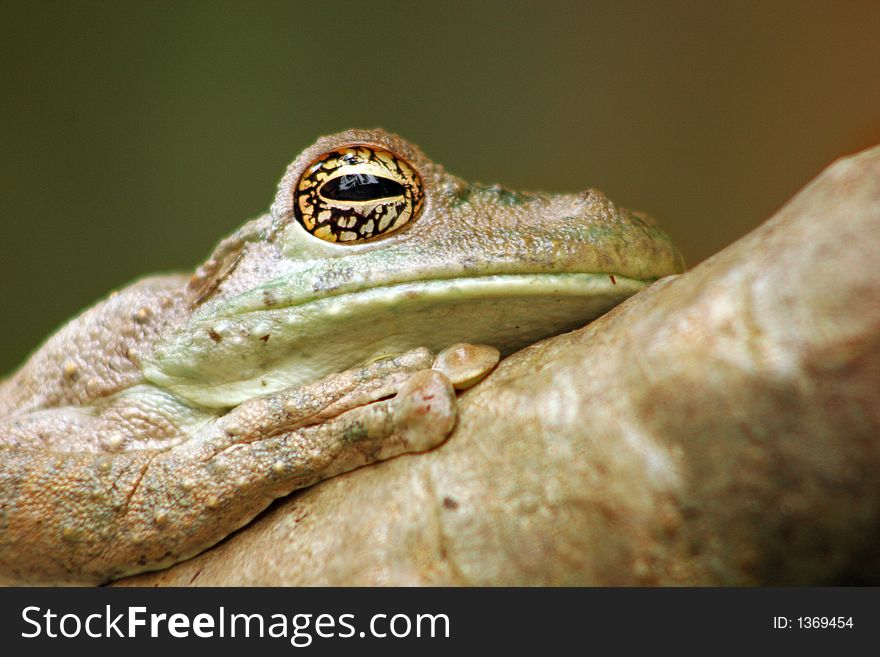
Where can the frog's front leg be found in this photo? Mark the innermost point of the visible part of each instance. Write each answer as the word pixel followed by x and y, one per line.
pixel 94 516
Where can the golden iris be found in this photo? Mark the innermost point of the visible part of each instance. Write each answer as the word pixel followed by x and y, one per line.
pixel 357 193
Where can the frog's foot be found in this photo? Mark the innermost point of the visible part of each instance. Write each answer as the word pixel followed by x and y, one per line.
pixel 302 435
pixel 358 424
pixel 420 416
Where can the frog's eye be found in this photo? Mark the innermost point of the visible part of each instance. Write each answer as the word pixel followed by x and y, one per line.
pixel 356 193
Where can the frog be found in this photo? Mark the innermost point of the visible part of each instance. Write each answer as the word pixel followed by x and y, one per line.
pixel 332 332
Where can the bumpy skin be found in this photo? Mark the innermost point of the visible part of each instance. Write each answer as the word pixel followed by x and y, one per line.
pixel 174 411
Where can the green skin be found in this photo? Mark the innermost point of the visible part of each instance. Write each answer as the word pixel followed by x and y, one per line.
pixel 171 413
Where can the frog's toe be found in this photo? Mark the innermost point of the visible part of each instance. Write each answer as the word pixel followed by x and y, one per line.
pixel 423 412
pixel 466 364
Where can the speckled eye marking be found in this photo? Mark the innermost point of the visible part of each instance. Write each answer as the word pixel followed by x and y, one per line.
pixel 356 193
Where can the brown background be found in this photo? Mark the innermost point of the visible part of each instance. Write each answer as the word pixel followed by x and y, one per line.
pixel 135 135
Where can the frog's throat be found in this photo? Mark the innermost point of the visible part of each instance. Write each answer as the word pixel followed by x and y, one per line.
pixel 222 359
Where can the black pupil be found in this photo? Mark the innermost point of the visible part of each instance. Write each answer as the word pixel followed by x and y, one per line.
pixel 361 187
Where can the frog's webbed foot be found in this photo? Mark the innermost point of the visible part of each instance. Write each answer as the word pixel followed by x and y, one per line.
pixel 388 407
pixel 420 416
pixel 362 426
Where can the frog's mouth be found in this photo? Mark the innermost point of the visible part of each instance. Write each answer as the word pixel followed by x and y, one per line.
pixel 222 359
pixel 407 295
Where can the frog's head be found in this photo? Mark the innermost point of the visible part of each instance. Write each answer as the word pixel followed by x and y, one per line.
pixel 371 248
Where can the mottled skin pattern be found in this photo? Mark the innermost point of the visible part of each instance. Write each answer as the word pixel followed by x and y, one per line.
pixel 172 412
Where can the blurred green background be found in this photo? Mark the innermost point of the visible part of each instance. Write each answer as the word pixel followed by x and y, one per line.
pixel 137 134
